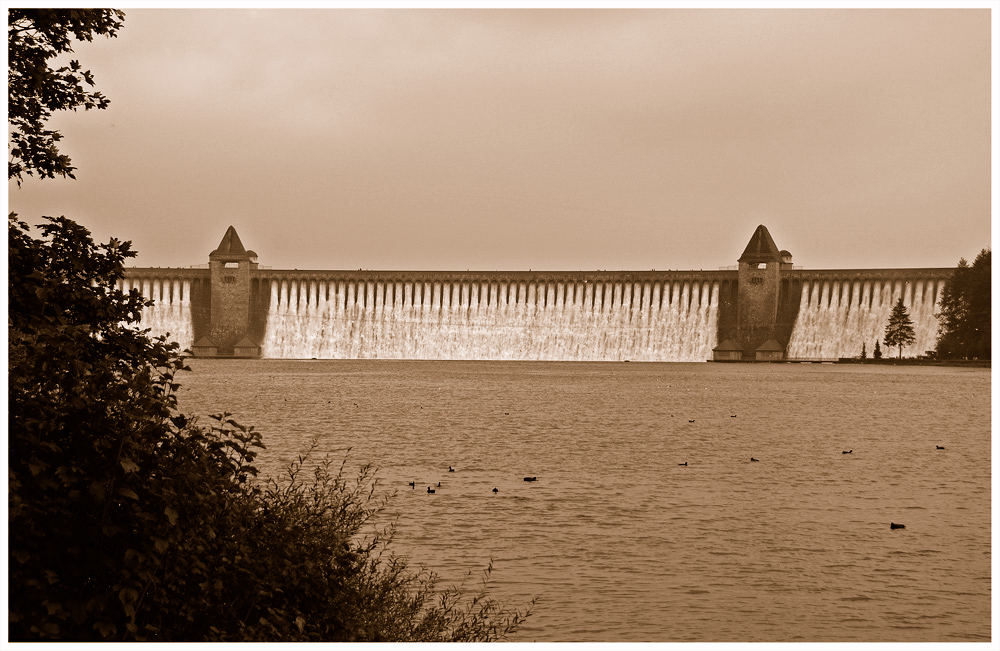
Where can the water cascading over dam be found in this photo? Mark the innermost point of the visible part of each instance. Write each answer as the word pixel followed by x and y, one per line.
pixel 764 310
pixel 492 319
pixel 171 310
pixel 837 317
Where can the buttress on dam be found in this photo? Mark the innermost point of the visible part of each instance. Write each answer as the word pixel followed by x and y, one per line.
pixel 764 310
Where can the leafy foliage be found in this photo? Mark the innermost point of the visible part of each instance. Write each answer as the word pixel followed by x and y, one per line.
pixel 90 400
pixel 899 329
pixel 35 89
pixel 129 521
pixel 964 320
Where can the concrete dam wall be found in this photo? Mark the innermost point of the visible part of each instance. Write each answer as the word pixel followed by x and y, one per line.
pixel 493 316
pixel 234 308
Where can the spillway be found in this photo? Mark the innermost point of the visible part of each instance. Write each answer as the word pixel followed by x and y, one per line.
pixel 836 317
pixel 170 313
pixel 504 320
pixel 763 309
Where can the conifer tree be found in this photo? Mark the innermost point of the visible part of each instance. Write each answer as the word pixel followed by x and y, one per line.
pixel 899 330
pixel 877 353
pixel 980 305
pixel 964 319
pixel 864 351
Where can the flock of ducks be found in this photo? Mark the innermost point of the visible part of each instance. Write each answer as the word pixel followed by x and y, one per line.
pixel 892 525
pixel 432 491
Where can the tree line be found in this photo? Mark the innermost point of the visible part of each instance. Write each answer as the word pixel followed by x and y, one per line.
pixel 127 519
pixel 963 320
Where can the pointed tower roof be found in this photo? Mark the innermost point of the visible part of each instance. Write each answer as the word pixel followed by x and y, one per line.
pixel 761 247
pixel 230 247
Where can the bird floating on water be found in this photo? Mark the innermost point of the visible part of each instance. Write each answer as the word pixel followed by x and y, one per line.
pixel 450 469
pixel 683 464
pixel 847 451
pixel 732 415
pixel 691 420
pixel 752 459
pixel 531 479
pixel 893 525
pixel 439 484
pixel 939 447
pixel 430 491
pixel 495 490
pixel 412 484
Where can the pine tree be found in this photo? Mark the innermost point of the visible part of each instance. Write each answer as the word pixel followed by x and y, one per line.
pixel 899 330
pixel 953 318
pixel 864 352
pixel 877 353
pixel 964 319
pixel 979 305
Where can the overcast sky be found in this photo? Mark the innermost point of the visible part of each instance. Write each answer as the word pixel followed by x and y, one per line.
pixel 542 139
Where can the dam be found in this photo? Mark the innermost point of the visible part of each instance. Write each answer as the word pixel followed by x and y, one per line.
pixel 764 310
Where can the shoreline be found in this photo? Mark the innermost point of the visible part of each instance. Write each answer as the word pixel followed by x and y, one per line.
pixel 968 363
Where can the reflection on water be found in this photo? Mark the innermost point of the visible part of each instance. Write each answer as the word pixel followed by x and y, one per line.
pixel 620 542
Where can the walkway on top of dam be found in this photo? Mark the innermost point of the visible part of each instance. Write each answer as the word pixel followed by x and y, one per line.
pixel 937 273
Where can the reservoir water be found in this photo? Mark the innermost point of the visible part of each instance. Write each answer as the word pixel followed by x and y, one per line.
pixel 618 541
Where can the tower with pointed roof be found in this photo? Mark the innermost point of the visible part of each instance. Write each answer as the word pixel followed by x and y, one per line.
pixel 232 268
pixel 759 283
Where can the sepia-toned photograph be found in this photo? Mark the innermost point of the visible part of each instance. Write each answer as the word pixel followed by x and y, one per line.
pixel 360 323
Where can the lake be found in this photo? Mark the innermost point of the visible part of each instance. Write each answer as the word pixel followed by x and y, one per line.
pixel 618 541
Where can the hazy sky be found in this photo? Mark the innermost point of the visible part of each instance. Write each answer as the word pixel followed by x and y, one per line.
pixel 542 139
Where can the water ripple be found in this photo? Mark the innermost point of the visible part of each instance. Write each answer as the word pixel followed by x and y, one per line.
pixel 623 544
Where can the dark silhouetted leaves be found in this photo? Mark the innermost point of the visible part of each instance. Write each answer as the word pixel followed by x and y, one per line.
pixel 35 89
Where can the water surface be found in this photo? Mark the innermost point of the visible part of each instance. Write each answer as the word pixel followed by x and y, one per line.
pixel 618 541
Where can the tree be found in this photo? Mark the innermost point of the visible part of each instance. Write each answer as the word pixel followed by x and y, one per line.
pixel 899 330
pixel 954 315
pixel 35 89
pixel 980 304
pixel 130 521
pixel 964 319
pixel 864 352
pixel 877 352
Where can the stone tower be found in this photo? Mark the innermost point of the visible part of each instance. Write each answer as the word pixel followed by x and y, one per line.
pixel 759 292
pixel 232 267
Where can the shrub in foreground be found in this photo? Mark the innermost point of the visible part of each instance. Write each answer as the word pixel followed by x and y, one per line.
pixel 129 521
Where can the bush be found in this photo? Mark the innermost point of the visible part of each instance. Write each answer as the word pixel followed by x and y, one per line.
pixel 129 521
